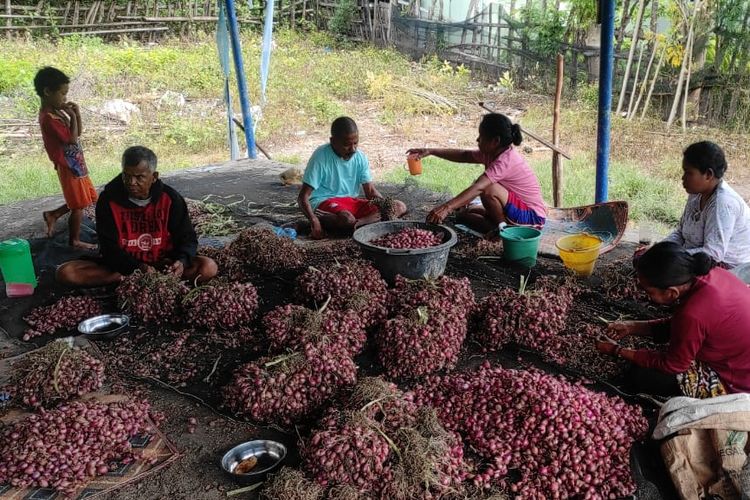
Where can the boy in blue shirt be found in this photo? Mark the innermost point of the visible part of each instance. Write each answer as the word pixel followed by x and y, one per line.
pixel 329 197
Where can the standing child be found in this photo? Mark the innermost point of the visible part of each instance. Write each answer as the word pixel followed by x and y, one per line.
pixel 508 189
pixel 61 126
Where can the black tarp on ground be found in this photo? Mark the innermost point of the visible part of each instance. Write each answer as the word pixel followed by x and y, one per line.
pixel 256 195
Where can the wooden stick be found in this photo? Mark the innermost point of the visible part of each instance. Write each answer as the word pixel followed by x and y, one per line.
pixel 557 171
pixel 533 136
pixel 155 29
pixel 242 129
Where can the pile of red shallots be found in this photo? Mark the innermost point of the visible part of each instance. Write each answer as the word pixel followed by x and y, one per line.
pixel 293 327
pixel 530 318
pixel 55 373
pixel 381 445
pixel 290 387
pixel 429 326
pixel 354 285
pixel 261 251
pixel 221 305
pixel 409 238
pixel 67 447
pixel 151 298
pixel 65 314
pixel 561 439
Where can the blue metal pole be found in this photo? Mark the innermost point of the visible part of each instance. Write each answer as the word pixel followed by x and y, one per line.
pixel 247 119
pixel 606 67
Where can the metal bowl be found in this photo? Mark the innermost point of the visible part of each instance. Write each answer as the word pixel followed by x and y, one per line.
pixel 105 326
pixel 270 455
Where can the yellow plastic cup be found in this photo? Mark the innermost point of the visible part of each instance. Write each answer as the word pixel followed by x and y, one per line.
pixel 579 252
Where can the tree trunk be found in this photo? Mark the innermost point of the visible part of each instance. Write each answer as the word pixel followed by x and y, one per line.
pixel 654 15
pixel 624 20
pixel 511 31
pixel 683 69
pixel 741 46
pixel 633 45
pixel 697 63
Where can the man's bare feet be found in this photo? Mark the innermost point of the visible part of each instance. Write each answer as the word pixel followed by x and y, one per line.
pixel 82 245
pixel 49 219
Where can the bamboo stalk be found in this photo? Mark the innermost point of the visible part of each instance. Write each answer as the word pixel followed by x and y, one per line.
pixel 635 79
pixel 653 82
pixel 533 135
pixel 557 170
pixel 631 54
pixel 644 84
pixel 683 69
pixel 689 55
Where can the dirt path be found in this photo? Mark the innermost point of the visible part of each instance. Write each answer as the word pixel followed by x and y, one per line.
pixel 385 145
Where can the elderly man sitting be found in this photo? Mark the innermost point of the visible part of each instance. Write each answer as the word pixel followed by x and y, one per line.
pixel 142 224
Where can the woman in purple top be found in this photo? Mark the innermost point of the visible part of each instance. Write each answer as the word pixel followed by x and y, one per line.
pixel 508 189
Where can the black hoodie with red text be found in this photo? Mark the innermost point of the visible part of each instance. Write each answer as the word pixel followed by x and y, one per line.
pixel 130 235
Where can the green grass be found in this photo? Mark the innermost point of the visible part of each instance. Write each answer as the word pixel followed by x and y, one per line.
pixel 649 198
pixel 309 85
pixel 32 175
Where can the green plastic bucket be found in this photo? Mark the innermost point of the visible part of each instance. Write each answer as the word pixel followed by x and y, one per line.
pixel 520 244
pixel 15 262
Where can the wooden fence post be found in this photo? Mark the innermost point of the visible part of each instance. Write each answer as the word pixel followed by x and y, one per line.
pixel 557 170
pixel 9 21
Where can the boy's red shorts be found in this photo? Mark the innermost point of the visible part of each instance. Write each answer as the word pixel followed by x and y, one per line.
pixel 358 207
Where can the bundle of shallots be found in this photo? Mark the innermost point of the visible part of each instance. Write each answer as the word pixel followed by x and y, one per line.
pixel 293 327
pixel 531 318
pixel 261 251
pixel 354 285
pixel 289 388
pixel 221 305
pixel 52 374
pixel 384 448
pixel 454 294
pixel 152 298
pixel 421 342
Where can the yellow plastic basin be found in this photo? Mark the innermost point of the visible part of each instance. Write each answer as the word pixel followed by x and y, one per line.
pixel 579 252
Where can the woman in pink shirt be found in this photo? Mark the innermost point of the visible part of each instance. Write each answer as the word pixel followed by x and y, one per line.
pixel 709 332
pixel 508 189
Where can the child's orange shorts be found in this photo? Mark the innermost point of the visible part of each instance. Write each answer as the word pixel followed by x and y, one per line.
pixel 79 192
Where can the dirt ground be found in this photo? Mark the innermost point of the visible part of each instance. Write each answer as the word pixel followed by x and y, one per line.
pixel 648 144
pixel 386 145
